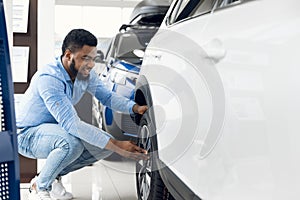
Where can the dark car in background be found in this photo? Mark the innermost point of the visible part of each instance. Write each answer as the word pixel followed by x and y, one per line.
pixel 150 12
pixel 123 60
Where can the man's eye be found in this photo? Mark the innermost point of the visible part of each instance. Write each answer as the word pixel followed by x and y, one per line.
pixel 87 59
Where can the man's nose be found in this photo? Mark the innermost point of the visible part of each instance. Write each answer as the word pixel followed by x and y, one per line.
pixel 90 64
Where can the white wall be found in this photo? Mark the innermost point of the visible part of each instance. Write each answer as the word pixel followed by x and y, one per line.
pixel 101 21
pixel 46 41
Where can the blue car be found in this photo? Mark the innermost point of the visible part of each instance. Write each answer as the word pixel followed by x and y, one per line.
pixel 123 62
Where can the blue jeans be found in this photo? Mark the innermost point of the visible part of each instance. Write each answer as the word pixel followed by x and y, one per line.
pixel 63 152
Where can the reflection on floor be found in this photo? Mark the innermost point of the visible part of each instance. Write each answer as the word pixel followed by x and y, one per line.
pixel 105 180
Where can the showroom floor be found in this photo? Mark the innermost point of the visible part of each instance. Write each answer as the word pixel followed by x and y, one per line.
pixel 105 180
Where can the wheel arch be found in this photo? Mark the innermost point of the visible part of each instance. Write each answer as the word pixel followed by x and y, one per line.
pixel 143 97
pixel 142 92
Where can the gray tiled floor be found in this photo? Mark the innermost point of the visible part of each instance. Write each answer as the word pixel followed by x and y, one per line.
pixel 105 180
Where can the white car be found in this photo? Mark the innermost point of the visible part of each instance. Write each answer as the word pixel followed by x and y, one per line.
pixel 221 80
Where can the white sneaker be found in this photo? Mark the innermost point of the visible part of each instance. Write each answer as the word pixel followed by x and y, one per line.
pixel 34 195
pixel 59 192
pixel 32 187
pixel 40 195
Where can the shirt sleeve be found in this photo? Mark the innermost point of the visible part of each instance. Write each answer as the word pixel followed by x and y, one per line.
pixel 109 98
pixel 52 91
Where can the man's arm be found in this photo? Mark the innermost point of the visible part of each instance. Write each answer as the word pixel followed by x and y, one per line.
pixel 107 97
pixel 127 149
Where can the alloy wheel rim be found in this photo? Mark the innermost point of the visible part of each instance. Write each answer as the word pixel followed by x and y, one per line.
pixel 144 174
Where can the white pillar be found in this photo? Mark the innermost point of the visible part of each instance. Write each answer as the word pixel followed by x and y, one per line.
pixel 46 41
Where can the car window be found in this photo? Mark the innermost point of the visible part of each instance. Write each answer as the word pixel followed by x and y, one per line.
pixel 125 43
pixel 224 3
pixel 203 7
pixel 171 18
pixel 189 8
pixel 183 4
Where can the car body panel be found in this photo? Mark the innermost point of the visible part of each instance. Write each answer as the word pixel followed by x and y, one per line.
pixel 226 109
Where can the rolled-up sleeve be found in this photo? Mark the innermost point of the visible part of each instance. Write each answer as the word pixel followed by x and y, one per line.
pixel 52 91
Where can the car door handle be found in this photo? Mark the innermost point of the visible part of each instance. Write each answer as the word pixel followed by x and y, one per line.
pixel 215 50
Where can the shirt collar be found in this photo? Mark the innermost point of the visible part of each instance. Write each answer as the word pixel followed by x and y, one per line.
pixel 60 65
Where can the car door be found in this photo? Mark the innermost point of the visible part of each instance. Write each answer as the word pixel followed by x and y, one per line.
pixel 186 89
pixel 259 40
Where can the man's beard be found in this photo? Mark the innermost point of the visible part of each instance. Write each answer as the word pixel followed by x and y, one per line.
pixel 72 68
pixel 75 72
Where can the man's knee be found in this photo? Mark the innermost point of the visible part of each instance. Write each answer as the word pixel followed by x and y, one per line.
pixel 73 145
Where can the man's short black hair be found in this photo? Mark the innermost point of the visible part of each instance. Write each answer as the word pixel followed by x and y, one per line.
pixel 77 38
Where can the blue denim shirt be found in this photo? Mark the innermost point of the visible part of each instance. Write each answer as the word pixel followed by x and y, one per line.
pixel 51 96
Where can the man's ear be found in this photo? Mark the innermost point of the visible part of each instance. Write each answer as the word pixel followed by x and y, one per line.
pixel 68 54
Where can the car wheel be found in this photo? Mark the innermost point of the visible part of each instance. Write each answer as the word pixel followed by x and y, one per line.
pixel 150 185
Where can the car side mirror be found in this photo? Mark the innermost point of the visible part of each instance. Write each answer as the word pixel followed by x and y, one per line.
pixel 139 53
pixel 100 57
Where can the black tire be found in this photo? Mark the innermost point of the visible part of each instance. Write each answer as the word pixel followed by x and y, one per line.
pixel 150 185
